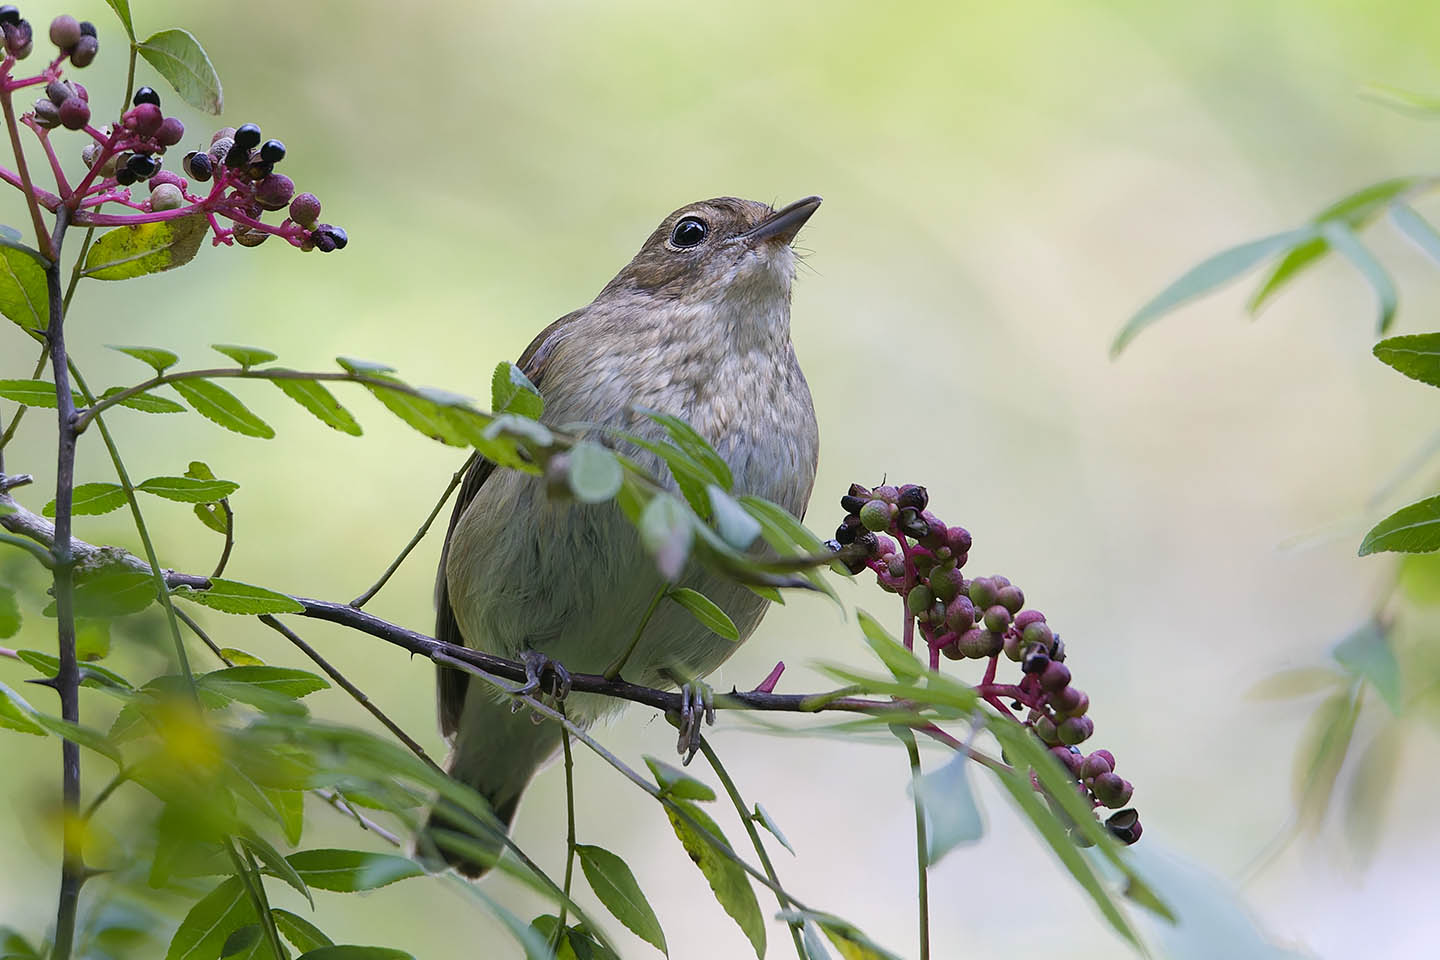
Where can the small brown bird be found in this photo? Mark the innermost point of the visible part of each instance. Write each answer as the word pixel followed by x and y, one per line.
pixel 697 325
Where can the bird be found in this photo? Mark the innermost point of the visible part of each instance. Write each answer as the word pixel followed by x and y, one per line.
pixel 696 325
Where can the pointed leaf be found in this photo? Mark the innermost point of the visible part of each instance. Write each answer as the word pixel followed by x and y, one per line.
pixel 1370 790
pixel 178 57
pixel 231 596
pixel 688 439
pixel 762 817
pixel 114 590
pixel 160 359
pixel 707 611
pixel 9 613
pixel 676 783
pixel 303 934
pixel 242 941
pixel 312 395
pixel 666 532
pixel 87 737
pixel 1416 355
pixel 218 405
pixel 1297 682
pixel 91 674
pixel 901 662
pixel 727 880
pixel 31 393
pixel 1204 277
pixel 275 864
pixel 203 932
pixel 846 937
pixel 91 499
pixel 24 296
pixel 512 392
pixel 122 10
pixel 595 474
pixel 188 489
pixel 145 402
pixel 352 952
pixel 1367 654
pixel 1412 529
pixel 952 818
pixel 347 871
pixel 734 524
pixel 245 356
pixel 1344 242
pixel 144 248
pixel 1416 229
pixel 285 681
pixel 616 887
pixel 16 714
pixel 1322 753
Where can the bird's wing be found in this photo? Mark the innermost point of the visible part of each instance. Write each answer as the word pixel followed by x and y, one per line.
pixel 450 683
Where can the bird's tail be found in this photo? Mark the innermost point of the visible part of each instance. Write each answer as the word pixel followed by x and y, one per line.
pixel 495 753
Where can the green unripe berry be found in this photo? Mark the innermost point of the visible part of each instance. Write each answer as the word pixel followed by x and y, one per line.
pixel 875 515
pixel 1046 730
pixel 997 618
pixel 1075 730
pixel 946 582
pixel 1010 598
pixel 960 614
pixel 919 600
pixel 982 592
pixel 1038 633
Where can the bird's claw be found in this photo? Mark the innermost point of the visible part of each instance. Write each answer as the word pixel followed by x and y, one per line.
pixel 537 665
pixel 697 707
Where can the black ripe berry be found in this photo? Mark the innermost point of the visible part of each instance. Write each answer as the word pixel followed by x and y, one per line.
pixel 146 95
pixel 142 165
pixel 87 29
pixel 247 136
pixel 9 13
pixel 237 156
pixel 272 151
pixel 124 177
pixel 198 166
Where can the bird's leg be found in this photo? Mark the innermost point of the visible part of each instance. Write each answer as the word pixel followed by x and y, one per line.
pixel 697 707
pixel 537 665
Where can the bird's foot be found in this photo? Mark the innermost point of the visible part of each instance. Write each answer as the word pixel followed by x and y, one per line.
pixel 697 708
pixel 537 667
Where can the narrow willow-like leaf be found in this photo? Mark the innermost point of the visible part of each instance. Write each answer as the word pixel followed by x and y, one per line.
pixel 762 817
pixel 1204 277
pixel 9 613
pixel 32 393
pixel 303 934
pixel 188 489
pixel 676 783
pixel 1416 229
pixel 218 405
pixel 23 294
pixel 667 530
pixel 1321 754
pixel 786 535
pixel 1416 355
pixel 275 863
pixel 348 871
pixel 178 57
pixel 144 248
pixel 687 438
pixel 161 360
pixel 615 885
pixel 1397 98
pixel 1412 529
pixel 1347 244
pixel 727 880
pixel 87 737
pixel 91 499
pixel 512 392
pixel 145 402
pixel 231 596
pixel 122 10
pixel 16 714
pixel 892 653
pixel 203 932
pixel 1296 682
pixel 91 674
pixel 1367 655
pixel 952 817
pixel 245 356
pixel 595 474
pixel 1371 788
pixel 313 396
pixel 846 937
pixel 707 611
pixel 734 524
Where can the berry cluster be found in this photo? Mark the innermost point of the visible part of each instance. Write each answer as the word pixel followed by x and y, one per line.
pixel 238 166
pixel 890 531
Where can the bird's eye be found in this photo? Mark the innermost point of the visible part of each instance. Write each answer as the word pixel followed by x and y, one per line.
pixel 689 232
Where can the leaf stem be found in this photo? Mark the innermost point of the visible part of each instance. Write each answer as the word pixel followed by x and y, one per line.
pixel 229 537
pixel 254 886
pixel 746 818
pixel 612 672
pixel 569 832
pixel 48 247
pixel 921 844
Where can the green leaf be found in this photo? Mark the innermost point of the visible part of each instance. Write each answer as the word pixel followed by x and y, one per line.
pixel 1412 529
pixel 285 681
pixel 732 521
pixel 847 938
pixel 1205 277
pixel 212 516
pixel 1405 101
pixel 347 871
pixel 203 932
pixel 145 248
pixel 1367 655
pixel 299 931
pixel 699 449
pixel 762 817
pixel 707 611
pixel 1416 355
pixel 595 474
pixel 91 499
pixel 145 402
pixel 666 532
pixel 218 405
pixel 16 714
pixel 512 392
pixel 160 359
pixel 352 952
pixel 24 297
pixel 9 613
pixel 32 393
pixel 423 414
pixel 1344 241
pixel 1419 579
pixel 241 658
pixel 231 596
pixel 616 887
pixel 87 737
pixel 1296 682
pixel 114 590
pixel 726 878
pixel 178 57
pixel 788 536
pixel 247 357
pixel 188 489
pixel 952 817
pixel 289 807
pixel 13 946
pixel 275 864
pixel 1321 754
pixel 312 395
pixel 122 10
pixel 1370 791
pixel 677 783
pixel 241 941
pixel 892 653
pixel 91 674
pixel 1416 229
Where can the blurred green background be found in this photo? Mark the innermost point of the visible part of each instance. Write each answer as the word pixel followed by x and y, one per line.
pixel 1004 184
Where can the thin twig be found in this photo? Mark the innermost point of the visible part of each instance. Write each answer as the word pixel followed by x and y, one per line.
pixel 199 631
pixel 455 481
pixel 350 688
pixel 229 537
pixel 339 803
pixel 49 246
pixel 569 832
pixel 612 672
pixel 921 843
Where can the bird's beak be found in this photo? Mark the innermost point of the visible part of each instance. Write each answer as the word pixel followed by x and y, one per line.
pixel 782 225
